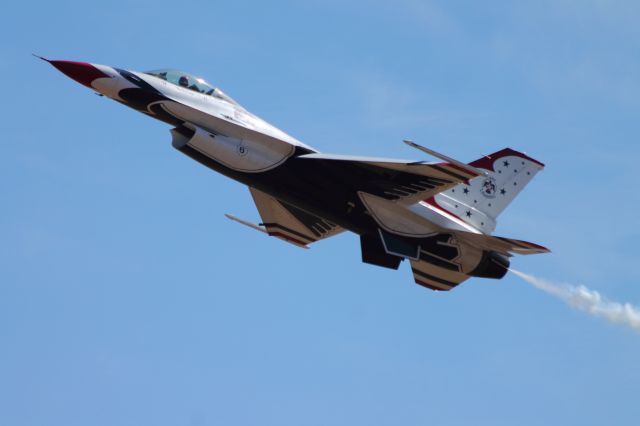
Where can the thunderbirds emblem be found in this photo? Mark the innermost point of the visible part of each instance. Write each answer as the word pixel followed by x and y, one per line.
pixel 489 187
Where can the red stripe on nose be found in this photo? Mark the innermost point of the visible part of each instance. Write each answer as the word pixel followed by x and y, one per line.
pixel 81 72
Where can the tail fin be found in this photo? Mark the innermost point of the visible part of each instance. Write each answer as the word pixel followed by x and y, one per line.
pixel 482 199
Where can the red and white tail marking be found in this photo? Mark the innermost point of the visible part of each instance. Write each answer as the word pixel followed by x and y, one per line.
pixel 480 200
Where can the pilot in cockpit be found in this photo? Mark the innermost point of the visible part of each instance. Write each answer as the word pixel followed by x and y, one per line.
pixel 183 79
pixel 184 82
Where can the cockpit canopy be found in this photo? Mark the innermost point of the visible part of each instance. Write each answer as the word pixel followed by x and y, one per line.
pixel 186 80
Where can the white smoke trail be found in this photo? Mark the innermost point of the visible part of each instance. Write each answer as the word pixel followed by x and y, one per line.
pixel 586 300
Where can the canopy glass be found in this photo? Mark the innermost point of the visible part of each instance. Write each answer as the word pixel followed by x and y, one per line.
pixel 186 80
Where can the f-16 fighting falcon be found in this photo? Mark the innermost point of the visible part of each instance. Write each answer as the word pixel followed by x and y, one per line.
pixel 437 215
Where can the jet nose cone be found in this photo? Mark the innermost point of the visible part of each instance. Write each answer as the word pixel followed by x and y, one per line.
pixel 82 72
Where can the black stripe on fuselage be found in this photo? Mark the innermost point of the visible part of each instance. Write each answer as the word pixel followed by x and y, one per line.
pixel 433 278
pixel 140 99
pixel 145 98
pixel 132 78
pixel 162 114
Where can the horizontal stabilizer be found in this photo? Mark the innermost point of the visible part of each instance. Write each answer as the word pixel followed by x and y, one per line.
pixel 502 245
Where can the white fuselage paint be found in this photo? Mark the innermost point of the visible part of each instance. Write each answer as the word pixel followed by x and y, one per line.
pixel 110 86
pixel 225 132
pixel 211 113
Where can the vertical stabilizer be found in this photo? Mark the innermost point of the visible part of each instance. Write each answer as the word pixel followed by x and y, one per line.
pixel 480 201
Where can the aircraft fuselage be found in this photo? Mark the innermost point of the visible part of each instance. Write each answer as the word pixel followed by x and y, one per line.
pixel 401 209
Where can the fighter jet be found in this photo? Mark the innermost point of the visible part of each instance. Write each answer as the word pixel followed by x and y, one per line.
pixel 437 215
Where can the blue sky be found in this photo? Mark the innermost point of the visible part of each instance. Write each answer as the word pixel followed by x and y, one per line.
pixel 127 298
